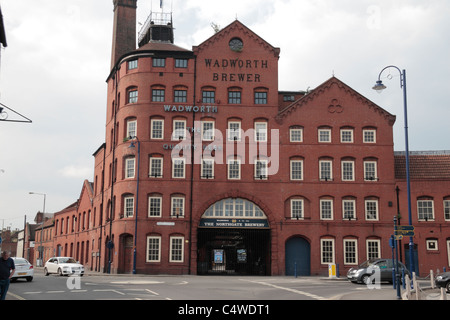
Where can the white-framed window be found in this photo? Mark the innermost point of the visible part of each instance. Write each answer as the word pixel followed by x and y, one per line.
pixel 176 249
pixel 159 62
pixel 179 130
pixel 156 167
pixel 261 131
pixel 129 168
pixel 157 129
pixel 207 130
pixel 348 170
pixel 154 206
pixel 369 136
pixel 348 208
pixel 432 245
pixel 346 135
pixel 131 128
pixel 351 251
pixel 296 167
pixel 297 209
pixel 178 168
pixel 324 135
pixel 425 210
pixel 261 172
pixel 132 64
pixel 326 251
pixel 325 170
pixel 371 211
pixel 234 131
pixel 370 171
pixel 153 249
pixel 447 210
pixel 234 169
pixel 128 206
pixel 326 209
pixel 373 249
pixel 296 134
pixel 177 207
pixel 207 169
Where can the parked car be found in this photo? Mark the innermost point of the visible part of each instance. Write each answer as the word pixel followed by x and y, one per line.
pixel 63 266
pixel 24 269
pixel 362 273
pixel 443 281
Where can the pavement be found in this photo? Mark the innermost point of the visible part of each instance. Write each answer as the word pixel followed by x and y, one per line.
pixel 385 292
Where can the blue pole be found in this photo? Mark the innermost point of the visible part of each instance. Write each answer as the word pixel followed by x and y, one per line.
pixel 408 180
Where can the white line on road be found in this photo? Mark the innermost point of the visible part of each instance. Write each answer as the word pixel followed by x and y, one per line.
pixel 310 295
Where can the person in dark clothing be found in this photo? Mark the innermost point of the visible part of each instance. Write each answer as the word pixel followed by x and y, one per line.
pixel 7 269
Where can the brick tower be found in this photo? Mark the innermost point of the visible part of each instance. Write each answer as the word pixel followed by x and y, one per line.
pixel 124 32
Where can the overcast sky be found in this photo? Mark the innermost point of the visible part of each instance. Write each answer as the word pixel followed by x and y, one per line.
pixel 58 57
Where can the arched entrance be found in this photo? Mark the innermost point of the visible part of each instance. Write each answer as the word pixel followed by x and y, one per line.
pixel 298 257
pixel 234 238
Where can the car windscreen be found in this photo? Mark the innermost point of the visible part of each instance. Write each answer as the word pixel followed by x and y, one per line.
pixel 366 264
pixel 20 261
pixel 67 260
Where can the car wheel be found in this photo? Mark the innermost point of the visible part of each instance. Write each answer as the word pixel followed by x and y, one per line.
pixel 46 272
pixel 60 272
pixel 365 279
pixel 29 279
pixel 447 286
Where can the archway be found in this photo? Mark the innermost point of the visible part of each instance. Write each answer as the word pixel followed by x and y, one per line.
pixel 234 238
pixel 298 257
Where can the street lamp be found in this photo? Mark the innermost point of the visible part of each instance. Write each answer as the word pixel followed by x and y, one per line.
pixel 41 252
pixel 132 146
pixel 379 86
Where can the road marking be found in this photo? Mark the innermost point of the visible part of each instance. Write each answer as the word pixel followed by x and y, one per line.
pixel 310 295
pixel 111 290
pixel 15 296
pixel 136 282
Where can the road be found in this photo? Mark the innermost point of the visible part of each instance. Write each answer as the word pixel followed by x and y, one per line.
pixel 140 287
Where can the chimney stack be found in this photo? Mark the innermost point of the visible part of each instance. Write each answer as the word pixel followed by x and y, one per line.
pixel 124 30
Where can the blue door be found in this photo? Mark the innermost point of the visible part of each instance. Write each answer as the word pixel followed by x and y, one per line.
pixel 298 257
pixel 408 260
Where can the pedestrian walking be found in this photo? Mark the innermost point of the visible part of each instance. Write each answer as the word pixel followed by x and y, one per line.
pixel 7 269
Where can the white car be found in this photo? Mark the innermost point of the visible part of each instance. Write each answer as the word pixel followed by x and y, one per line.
pixel 24 269
pixel 63 266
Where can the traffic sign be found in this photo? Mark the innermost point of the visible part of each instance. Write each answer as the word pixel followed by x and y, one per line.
pixel 404 228
pixel 405 233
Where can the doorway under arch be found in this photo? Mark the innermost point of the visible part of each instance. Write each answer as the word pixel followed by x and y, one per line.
pixel 298 257
pixel 234 238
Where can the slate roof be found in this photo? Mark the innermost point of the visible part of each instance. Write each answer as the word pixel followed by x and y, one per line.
pixel 424 165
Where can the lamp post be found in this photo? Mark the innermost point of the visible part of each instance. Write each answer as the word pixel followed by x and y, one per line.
pixel 379 86
pixel 41 252
pixel 132 145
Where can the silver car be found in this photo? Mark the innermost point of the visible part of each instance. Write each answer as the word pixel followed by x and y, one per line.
pixel 24 269
pixel 363 272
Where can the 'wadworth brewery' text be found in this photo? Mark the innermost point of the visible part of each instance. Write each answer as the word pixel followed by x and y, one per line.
pixel 224 64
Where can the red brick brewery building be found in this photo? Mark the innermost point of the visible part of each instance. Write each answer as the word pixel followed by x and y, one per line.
pixel 208 168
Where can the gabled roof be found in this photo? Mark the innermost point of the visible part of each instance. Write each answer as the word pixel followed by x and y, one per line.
pixel 327 85
pixel 236 25
pixel 426 165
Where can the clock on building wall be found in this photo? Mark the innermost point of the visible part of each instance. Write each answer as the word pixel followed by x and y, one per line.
pixel 236 44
